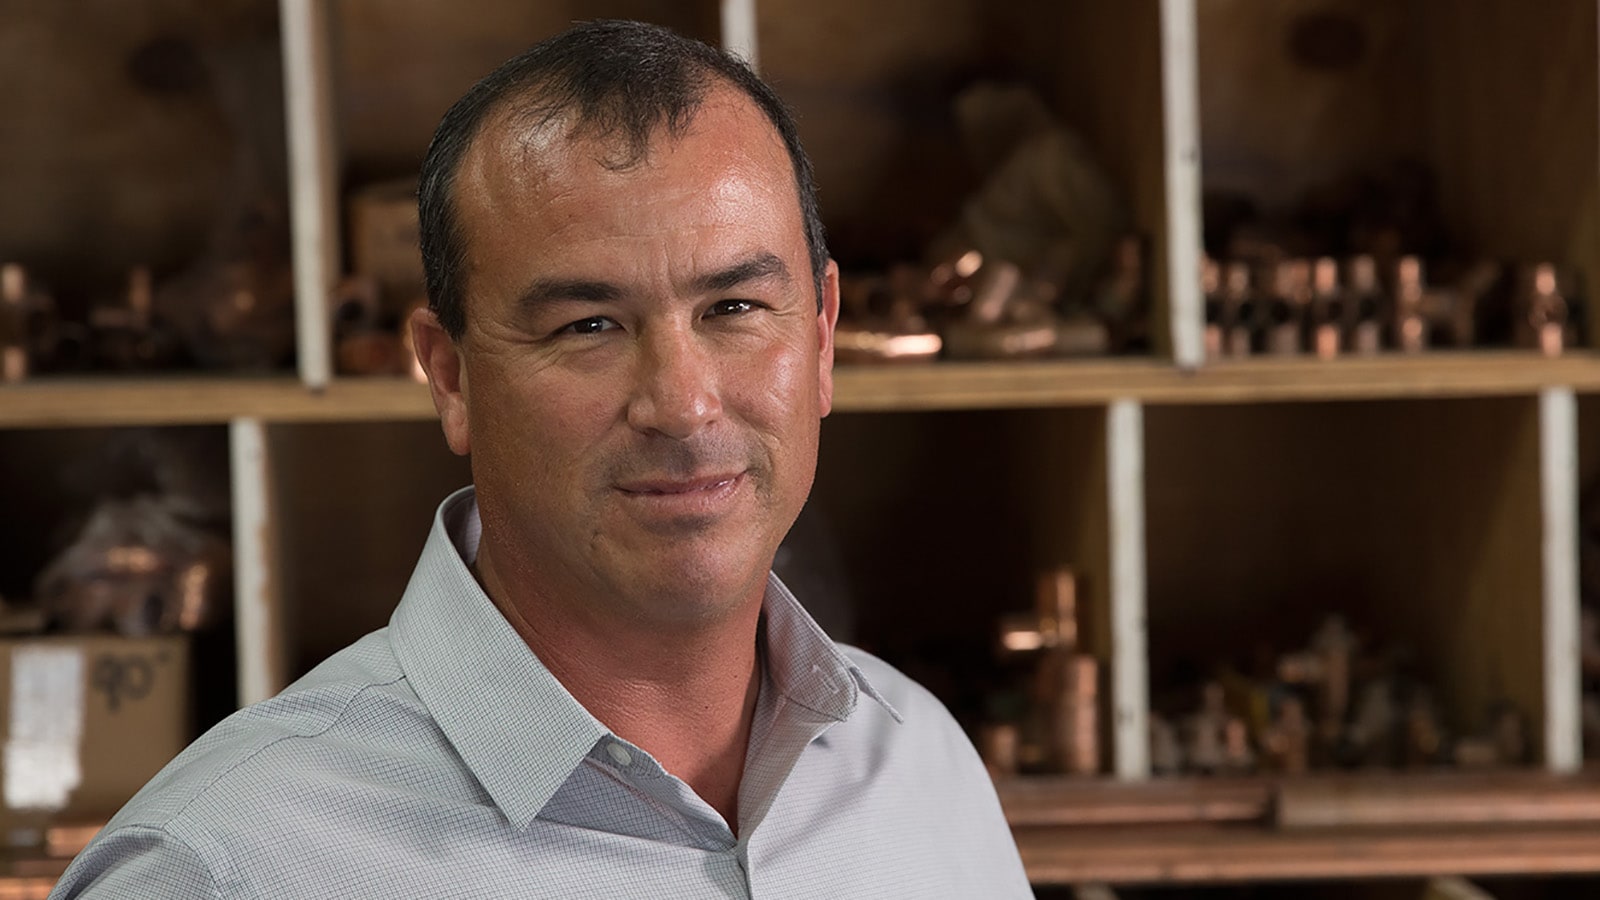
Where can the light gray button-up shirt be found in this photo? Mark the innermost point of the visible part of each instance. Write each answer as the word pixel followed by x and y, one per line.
pixel 439 758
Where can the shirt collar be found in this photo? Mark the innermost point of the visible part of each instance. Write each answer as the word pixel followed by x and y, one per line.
pixel 499 706
pixel 806 665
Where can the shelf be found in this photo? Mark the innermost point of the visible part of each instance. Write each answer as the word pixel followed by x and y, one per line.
pixel 1202 830
pixel 28 873
pixel 191 399
pixel 1199 854
pixel 196 400
pixel 1075 383
pixel 28 887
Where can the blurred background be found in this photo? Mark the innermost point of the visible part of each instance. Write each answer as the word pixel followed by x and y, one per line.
pixel 1216 428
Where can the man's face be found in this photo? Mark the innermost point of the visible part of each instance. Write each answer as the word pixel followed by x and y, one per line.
pixel 644 367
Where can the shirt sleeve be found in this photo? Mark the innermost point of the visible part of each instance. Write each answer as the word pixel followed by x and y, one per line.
pixel 137 861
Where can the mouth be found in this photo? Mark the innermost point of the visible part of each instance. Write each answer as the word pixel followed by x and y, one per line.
pixel 684 503
pixel 674 487
pixel 674 505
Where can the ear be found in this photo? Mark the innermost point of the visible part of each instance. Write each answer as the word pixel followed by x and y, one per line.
pixel 440 357
pixel 827 321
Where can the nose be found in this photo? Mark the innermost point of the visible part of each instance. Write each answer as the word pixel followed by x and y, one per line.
pixel 675 392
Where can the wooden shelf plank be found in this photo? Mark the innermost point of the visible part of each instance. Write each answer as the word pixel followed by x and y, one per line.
pixel 1196 830
pixel 1149 855
pixel 1091 382
pixel 196 399
pixel 25 887
pixel 193 400
pixel 1045 801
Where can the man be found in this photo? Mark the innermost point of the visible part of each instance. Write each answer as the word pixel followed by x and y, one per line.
pixel 593 686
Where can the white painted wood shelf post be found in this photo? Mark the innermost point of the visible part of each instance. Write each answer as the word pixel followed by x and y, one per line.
pixel 739 30
pixel 1130 666
pixel 1558 485
pixel 259 636
pixel 1180 117
pixel 313 181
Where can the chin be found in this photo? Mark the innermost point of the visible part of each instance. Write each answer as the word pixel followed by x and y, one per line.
pixel 691 593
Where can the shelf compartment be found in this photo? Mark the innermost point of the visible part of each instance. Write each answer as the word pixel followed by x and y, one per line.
pixel 872 89
pixel 53 480
pixel 342 565
pixel 153 138
pixel 943 523
pixel 1419 522
pixel 1494 97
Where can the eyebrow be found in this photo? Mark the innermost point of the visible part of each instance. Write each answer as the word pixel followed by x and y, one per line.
pixel 759 267
pixel 549 290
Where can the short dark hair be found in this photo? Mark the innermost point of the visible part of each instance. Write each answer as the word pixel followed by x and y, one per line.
pixel 619 80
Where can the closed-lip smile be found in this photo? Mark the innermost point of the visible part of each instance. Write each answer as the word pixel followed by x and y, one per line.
pixel 676 486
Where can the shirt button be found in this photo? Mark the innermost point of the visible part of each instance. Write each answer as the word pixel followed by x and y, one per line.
pixel 620 754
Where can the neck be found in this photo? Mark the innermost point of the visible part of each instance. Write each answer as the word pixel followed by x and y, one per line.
pixel 686 695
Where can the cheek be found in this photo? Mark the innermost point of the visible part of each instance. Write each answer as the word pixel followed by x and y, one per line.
pixel 783 382
pixel 780 401
pixel 531 430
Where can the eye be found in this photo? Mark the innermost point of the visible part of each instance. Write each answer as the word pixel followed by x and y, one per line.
pixel 731 307
pixel 591 325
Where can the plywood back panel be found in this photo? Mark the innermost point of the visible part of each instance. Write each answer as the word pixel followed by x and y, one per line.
pixel 399 64
pixel 1107 76
pixel 1272 127
pixel 134 132
pixel 873 85
pixel 1059 475
pixel 353 504
pixel 1513 93
pixel 944 520
pixel 1419 521
pixel 1589 495
pixel 1498 98
pixel 1588 441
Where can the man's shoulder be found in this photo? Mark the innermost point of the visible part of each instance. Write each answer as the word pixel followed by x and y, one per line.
pixel 357 699
pixel 263 773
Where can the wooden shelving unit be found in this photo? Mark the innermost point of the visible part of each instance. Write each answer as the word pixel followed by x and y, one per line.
pixel 1186 492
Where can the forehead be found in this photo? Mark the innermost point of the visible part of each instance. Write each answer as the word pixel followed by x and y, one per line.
pixel 728 166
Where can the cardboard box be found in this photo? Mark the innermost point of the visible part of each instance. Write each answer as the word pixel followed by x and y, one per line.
pixel 85 721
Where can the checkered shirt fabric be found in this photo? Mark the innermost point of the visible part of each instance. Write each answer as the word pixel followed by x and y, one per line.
pixel 438 757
